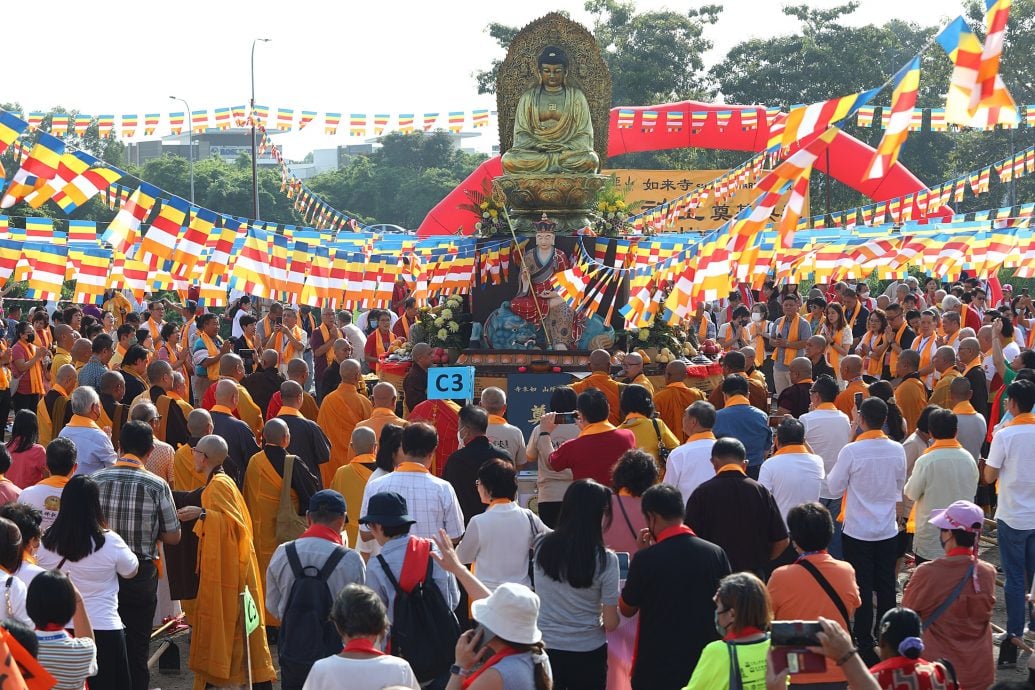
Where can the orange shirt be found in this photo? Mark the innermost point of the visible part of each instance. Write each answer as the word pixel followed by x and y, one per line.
pixel 845 400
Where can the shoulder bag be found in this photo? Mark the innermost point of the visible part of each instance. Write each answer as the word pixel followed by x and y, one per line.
pixel 289 523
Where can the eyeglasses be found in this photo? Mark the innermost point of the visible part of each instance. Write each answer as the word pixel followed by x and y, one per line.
pixel 719 613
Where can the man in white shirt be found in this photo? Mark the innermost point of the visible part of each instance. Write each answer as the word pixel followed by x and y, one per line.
pixel 690 465
pixel 871 471
pixel 46 494
pixel 792 474
pixel 504 436
pixel 827 431
pixel 93 447
pixel 432 500
pixel 1009 461
pixel 351 332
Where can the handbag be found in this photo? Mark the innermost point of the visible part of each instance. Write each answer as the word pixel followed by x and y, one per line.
pixel 662 450
pixel 289 523
pixel 953 596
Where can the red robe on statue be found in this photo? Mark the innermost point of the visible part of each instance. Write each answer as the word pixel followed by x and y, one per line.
pixel 444 415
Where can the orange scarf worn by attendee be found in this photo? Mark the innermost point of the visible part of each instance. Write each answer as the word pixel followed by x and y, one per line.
pixel 792 335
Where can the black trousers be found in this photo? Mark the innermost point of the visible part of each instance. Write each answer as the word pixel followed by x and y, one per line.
pixel 5 407
pixel 579 670
pixel 874 563
pixel 112 664
pixel 138 597
pixel 292 676
pixel 549 512
pixel 25 401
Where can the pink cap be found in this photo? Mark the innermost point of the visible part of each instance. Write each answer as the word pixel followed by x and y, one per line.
pixel 960 515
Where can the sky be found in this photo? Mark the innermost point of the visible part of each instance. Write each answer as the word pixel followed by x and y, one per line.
pixel 344 56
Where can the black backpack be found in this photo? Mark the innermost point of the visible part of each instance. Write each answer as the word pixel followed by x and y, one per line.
pixel 424 630
pixel 307 633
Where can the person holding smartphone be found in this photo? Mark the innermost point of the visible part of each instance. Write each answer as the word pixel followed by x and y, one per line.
pixel 551 484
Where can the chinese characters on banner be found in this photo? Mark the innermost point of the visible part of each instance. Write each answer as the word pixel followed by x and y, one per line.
pixel 649 188
pixel 528 397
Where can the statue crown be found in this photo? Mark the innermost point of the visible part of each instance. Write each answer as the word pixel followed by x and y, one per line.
pixel 544 224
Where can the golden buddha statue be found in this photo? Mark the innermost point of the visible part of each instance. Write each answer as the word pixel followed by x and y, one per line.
pixel 553 128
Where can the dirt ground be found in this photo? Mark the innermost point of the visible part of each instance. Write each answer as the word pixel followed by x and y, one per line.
pixel 184 679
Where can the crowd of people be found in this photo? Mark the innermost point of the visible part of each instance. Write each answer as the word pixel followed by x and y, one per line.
pixel 855 445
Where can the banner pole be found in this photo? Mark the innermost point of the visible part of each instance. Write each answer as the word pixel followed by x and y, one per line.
pixel 247 641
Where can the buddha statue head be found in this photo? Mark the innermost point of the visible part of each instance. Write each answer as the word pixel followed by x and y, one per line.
pixel 553 68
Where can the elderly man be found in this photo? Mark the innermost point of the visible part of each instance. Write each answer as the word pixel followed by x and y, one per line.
pixel 943 474
pixel 384 399
pixel 401 328
pixel 969 318
pixel 689 465
pixel 160 461
pixel 632 372
pixel 899 336
pixel 796 398
pixel 672 400
pixel 752 362
pixel 53 410
pixel 504 436
pixel 748 550
pixel 851 374
pixel 94 448
pixel 262 488
pixel 739 419
pixel 206 352
pixel 307 438
pixel 910 394
pixel 134 369
pixel 971 426
pixel 944 361
pixel 815 352
pixel 925 343
pixel 600 378
pixel 297 371
pixel 228 564
pixel 340 412
pixel 350 480
pixel 238 436
pixel 82 350
pixel 289 340
pixel 266 326
pixel 179 393
pixel 231 368
pixel 462 467
pixel 969 362
pixel 951 330
pixel 172 427
pixel 113 413
pixel 733 364
pixel 415 385
pixel 788 336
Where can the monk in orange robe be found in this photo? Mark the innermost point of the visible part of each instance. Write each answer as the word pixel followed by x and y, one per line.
pixel 262 484
pixel 384 398
pixel 228 565
pixel 444 415
pixel 600 378
pixel 910 394
pixel 351 479
pixel 672 400
pixel 340 412
pixel 54 409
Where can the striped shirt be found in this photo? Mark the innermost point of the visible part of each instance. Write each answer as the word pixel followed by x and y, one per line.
pixel 139 506
pixel 69 659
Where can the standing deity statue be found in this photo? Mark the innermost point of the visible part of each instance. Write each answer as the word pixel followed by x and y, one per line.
pixel 553 128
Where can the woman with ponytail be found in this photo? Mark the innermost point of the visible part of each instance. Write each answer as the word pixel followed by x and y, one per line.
pixel 901 662
pixel 895 427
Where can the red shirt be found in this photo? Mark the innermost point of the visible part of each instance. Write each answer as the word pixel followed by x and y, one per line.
pixel 209 399
pixel 592 456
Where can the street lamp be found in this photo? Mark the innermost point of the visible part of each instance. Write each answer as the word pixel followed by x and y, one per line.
pixel 255 165
pixel 190 142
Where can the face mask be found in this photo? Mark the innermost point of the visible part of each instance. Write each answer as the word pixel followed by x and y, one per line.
pixel 719 627
pixel 31 337
pixel 756 317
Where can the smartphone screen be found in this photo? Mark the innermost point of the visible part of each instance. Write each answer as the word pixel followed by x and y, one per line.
pixel 486 636
pixel 623 565
pixel 858 400
pixel 564 418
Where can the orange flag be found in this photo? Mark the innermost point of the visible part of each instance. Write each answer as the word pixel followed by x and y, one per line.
pixel 19 670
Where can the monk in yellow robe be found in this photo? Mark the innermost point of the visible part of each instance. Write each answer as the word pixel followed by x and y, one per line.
pixel 262 484
pixel 553 128
pixel 632 367
pixel 180 394
pixel 118 305
pixel 910 394
pixel 64 338
pixel 185 477
pixel 600 378
pixel 944 361
pixel 444 415
pixel 232 367
pixel 227 565
pixel 384 398
pixel 351 479
pixel 54 409
pixel 340 412
pixel 672 400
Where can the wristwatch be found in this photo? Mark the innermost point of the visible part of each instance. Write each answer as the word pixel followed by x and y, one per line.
pixel 203 514
pixel 455 670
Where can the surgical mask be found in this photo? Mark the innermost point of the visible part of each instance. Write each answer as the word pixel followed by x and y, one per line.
pixel 719 627
pixel 756 317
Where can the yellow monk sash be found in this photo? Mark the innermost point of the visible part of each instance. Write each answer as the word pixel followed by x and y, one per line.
pixel 792 335
pixel 892 355
pixel 325 334
pixel 794 448
pixel 1024 418
pixel 731 468
pixel 873 365
pixel 56 481
pixel 870 435
pixel 833 356
pixel 752 333
pixel 286 411
pixel 35 372
pixel 407 466
pixel 494 419
pixel 926 347
pixel 285 347
pixel 155 329
pixel 5 373
pixel 213 351
pixel 737 400
pixel 942 443
pixel 702 329
pixel 964 408
pixel 826 406
pixel 596 428
pixel 700 436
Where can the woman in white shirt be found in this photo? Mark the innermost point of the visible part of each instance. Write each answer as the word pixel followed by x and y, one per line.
pixel 499 540
pixel 360 617
pixel 839 337
pixel 93 557
pixel 551 484
pixel 12 590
